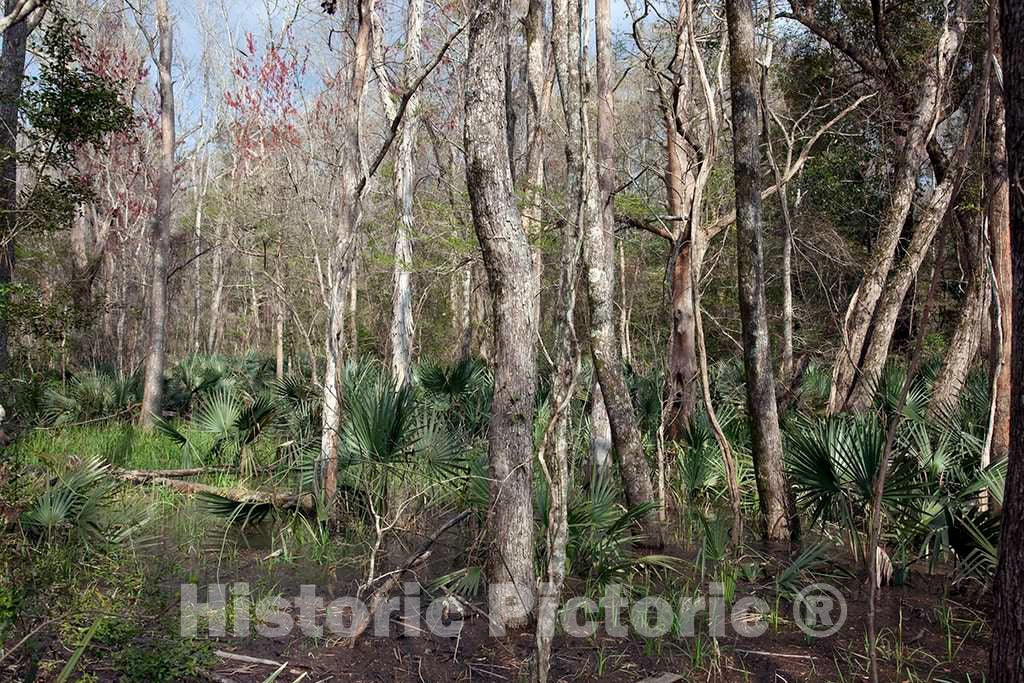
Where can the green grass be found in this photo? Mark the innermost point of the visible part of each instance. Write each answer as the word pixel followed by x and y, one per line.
pixel 121 445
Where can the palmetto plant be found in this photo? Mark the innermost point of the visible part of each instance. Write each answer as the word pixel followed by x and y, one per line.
pixel 832 464
pixel 73 504
pixel 460 393
pixel 90 396
pixel 231 423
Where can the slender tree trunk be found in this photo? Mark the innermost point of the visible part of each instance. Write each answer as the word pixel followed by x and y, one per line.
pixel 997 191
pixel 506 254
pixel 636 473
pixel 967 335
pixel 402 324
pixel 156 354
pixel 538 87
pixel 860 311
pixel 279 314
pixel 343 256
pixel 12 72
pixel 776 505
pixel 215 332
pixel 554 451
pixel 1007 659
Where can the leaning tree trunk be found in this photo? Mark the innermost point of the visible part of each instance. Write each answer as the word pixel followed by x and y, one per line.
pixel 598 236
pixel 901 278
pixel 1006 663
pixel 153 386
pixel 997 192
pixel 859 313
pixel 12 72
pixel 773 494
pixel 967 335
pixel 506 255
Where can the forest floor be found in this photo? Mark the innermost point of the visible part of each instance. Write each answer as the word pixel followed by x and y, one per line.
pixel 131 600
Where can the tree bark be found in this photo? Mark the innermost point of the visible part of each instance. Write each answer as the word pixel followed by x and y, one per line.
pixel 899 281
pixel 1006 663
pixel 342 254
pixel 859 313
pixel 773 494
pixel 12 72
pixel 599 261
pixel 506 255
pixel 567 39
pixel 152 395
pixel 967 335
pixel 402 323
pixel 997 191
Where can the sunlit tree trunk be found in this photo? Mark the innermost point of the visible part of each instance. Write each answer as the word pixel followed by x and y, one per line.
pixel 506 255
pixel 600 427
pixel 402 324
pixel 342 251
pixel 160 237
pixel 554 450
pixel 1007 659
pixel 997 191
pixel 773 494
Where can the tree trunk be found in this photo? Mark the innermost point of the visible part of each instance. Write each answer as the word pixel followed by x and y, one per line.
pixel 12 72
pixel 886 313
pixel 967 335
pixel 682 357
pixel 215 331
pixel 506 255
pixel 342 256
pixel 567 39
pixel 538 87
pixel 776 505
pixel 857 321
pixel 402 324
pixel 1007 659
pixel 156 354
pixel 599 260
pixel 997 192
pixel 279 314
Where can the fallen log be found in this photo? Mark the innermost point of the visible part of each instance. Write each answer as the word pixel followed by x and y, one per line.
pixel 286 501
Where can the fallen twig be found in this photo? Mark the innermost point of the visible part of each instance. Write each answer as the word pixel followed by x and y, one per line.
pixel 381 593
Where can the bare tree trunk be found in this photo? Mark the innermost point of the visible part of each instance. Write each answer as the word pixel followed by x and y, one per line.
pixel 12 72
pixel 997 191
pixel 342 256
pixel 402 324
pixel 538 86
pixel 1006 664
pixel 506 254
pixel 600 431
pixel 902 276
pixel 636 473
pixel 279 314
pixel 215 332
pixel 567 39
pixel 967 335
pixel 156 354
pixel 857 321
pixel 776 505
